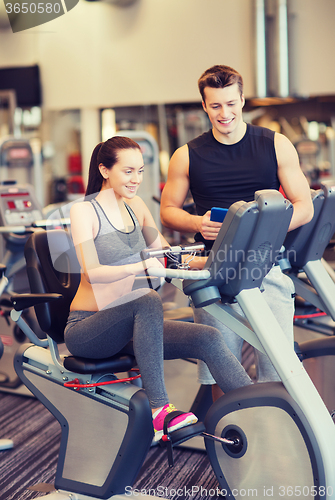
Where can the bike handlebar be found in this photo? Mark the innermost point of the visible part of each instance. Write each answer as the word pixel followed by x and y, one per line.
pixel 177 249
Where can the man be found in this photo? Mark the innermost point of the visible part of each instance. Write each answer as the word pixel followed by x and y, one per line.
pixel 227 164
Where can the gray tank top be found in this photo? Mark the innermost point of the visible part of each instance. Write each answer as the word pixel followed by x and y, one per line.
pixel 114 247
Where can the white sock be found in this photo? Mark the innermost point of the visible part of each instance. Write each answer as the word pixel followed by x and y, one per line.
pixel 157 412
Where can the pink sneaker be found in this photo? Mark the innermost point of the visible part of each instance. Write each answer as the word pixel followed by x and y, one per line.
pixel 176 423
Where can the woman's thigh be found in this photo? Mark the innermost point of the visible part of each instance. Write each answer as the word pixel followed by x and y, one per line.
pixel 104 333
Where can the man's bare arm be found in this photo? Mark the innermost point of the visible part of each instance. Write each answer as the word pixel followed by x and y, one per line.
pixel 293 182
pixel 173 197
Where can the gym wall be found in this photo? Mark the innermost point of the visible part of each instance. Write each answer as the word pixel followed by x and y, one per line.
pixel 100 55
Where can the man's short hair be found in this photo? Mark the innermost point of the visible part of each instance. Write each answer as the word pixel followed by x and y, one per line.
pixel 218 77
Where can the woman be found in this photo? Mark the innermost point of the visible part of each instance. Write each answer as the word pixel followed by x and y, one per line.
pixel 110 229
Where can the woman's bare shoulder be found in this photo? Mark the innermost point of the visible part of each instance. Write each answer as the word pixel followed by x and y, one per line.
pixel 138 206
pixel 81 207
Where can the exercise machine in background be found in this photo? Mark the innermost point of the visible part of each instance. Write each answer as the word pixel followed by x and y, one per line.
pixel 22 159
pixel 314 283
pixel 19 210
pixel 303 261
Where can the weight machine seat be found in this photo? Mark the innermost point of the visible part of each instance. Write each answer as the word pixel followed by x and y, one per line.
pixel 308 242
pixel 53 268
pixel 115 364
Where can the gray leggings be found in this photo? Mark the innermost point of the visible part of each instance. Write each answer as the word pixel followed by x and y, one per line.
pixel 138 316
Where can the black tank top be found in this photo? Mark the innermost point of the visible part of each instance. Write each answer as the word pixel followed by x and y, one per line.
pixel 222 174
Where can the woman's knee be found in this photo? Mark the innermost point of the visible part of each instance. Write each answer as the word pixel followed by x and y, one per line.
pixel 213 335
pixel 152 299
pixel 206 336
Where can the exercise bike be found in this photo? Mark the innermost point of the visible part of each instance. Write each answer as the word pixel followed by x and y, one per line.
pixel 263 473
pixel 304 249
pixel 271 437
pixel 302 261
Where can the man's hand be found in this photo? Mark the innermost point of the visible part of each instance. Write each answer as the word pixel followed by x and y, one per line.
pixel 209 229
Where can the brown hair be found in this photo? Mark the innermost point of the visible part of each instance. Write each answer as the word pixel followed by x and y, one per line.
pixel 218 77
pixel 107 154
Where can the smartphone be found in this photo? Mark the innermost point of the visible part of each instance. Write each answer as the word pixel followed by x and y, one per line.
pixel 218 214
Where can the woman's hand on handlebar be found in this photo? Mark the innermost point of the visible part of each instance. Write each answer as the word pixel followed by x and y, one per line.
pixel 152 262
pixel 209 229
